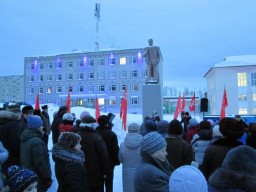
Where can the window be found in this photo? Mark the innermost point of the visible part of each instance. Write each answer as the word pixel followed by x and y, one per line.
pixel 32 79
pixel 81 89
pixel 59 77
pixel 80 102
pixel 41 78
pixel 135 87
pixel 31 91
pixel 101 88
pixel 81 63
pixel 242 97
pixel 58 65
pixel 91 62
pixel 254 97
pixel 58 90
pixel 112 100
pixel 41 90
pixel 101 101
pixel 90 101
pixel 242 111
pixel 101 75
pixel 123 74
pixel 102 61
pixel 90 88
pixel 81 76
pixel 254 111
pixel 50 65
pixel 134 74
pixel 112 88
pixel 41 66
pixel 90 75
pixel 253 79
pixel 70 89
pixel 112 74
pixel 32 66
pixel 112 61
pixel 135 100
pixel 134 60
pixel 122 87
pixel 49 90
pixel 49 77
pixel 70 64
pixel 122 61
pixel 145 73
pixel 70 76
pixel 241 79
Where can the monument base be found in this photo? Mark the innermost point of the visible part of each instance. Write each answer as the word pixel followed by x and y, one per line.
pixel 152 100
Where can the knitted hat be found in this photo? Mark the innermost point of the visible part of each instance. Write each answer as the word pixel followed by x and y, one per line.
pixel 150 125
pixel 44 107
pixel 205 125
pixel 34 122
pixel 13 108
pixel 193 122
pixel 19 179
pixel 84 113
pixel 103 120
pixel 27 109
pixel 152 142
pixel 133 128
pixel 175 127
pixel 68 117
pixel 187 178
pixel 241 159
pixel 231 128
pixel 68 140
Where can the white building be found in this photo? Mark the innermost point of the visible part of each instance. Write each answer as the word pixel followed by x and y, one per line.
pixel 101 74
pixel 238 75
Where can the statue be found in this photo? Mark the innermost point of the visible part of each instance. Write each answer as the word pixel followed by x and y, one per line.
pixel 152 55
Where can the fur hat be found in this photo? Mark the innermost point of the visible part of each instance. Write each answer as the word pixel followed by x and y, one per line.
pixel 84 113
pixel 175 127
pixel 68 117
pixel 205 124
pixel 187 178
pixel 27 109
pixel 193 122
pixel 13 108
pixel 152 142
pixel 133 128
pixel 103 120
pixel 231 128
pixel 44 107
pixel 19 179
pixel 68 140
pixel 63 109
pixel 162 127
pixel 34 122
pixel 88 119
pixel 241 159
pixel 150 125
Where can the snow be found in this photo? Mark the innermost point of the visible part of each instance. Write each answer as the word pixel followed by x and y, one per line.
pixel 237 61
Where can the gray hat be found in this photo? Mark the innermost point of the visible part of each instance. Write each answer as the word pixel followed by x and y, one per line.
pixel 68 117
pixel 133 128
pixel 152 142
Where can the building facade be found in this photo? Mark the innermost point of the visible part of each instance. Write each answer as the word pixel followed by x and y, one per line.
pixel 238 75
pixel 87 75
pixel 12 88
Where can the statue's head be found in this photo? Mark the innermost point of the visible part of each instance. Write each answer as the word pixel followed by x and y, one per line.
pixel 150 42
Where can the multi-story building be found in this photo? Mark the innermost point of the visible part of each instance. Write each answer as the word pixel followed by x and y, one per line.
pixel 87 75
pixel 238 75
pixel 12 88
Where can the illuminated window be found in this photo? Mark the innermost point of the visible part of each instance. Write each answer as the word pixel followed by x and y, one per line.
pixel 242 111
pixel 254 97
pixel 81 76
pixel 242 97
pixel 41 66
pixel 70 64
pixel 101 101
pixel 112 100
pixel 102 61
pixel 90 88
pixel 81 89
pixel 101 88
pixel 49 90
pixel 80 102
pixel 122 87
pixel 135 74
pixel 32 66
pixel 41 78
pixel 41 90
pixel 135 87
pixel 253 79
pixel 70 76
pixel 122 61
pixel 90 75
pixel 241 79
pixel 112 74
pixel 112 87
pixel 123 74
pixel 134 100
pixel 59 77
pixel 58 90
pixel 134 60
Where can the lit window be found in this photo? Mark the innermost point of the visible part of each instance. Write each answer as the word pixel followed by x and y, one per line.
pixel 241 79
pixel 102 61
pixel 49 90
pixel 49 78
pixel 41 78
pixel 101 88
pixel 58 90
pixel 112 100
pixel 242 111
pixel 254 97
pixel 80 102
pixel 134 73
pixel 41 66
pixel 122 87
pixel 41 90
pixel 70 76
pixel 90 75
pixel 101 101
pixel 32 66
pixel 122 61
pixel 81 76
pixel 242 97
pixel 81 89
pixel 112 87
pixel 59 77
pixel 135 87
pixel 70 64
pixel 101 75
pixel 123 74
pixel 253 79
pixel 135 100
pixel 112 74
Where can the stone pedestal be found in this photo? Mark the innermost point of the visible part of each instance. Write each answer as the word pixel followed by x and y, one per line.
pixel 152 100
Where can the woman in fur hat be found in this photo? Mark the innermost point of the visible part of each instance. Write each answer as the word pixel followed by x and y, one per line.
pixel 69 163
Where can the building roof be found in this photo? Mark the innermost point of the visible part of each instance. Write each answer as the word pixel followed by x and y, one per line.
pixel 235 61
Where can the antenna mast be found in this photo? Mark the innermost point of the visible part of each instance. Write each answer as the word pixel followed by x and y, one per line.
pixel 97 16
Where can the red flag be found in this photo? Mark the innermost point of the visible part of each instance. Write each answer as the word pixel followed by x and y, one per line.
pixel 178 109
pixel 68 101
pixel 97 109
pixel 183 103
pixel 192 105
pixel 37 107
pixel 123 110
pixel 224 105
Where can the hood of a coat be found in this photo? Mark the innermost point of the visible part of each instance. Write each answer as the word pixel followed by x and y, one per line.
pixel 132 140
pixel 28 134
pixel 9 116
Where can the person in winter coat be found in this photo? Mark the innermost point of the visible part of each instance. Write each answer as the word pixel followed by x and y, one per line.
pixel 179 152
pixel 21 180
pixel 96 153
pixel 143 130
pixel 27 111
pixel 251 139
pixel 216 152
pixel 162 127
pixel 129 156
pixel 67 124
pixel 154 170
pixel 188 178
pixel 201 141
pixel 47 123
pixel 193 128
pixel 111 141
pixel 34 154
pixel 69 163
pixel 10 132
pixel 57 120
pixel 3 157
pixel 237 173
pixel 185 117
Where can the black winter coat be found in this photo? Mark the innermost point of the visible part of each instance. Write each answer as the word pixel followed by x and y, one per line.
pixel 55 127
pixel 10 132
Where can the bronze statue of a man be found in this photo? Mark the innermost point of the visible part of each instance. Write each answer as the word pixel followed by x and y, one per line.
pixel 152 55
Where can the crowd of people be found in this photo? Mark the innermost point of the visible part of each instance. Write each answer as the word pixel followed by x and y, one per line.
pixel 157 155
